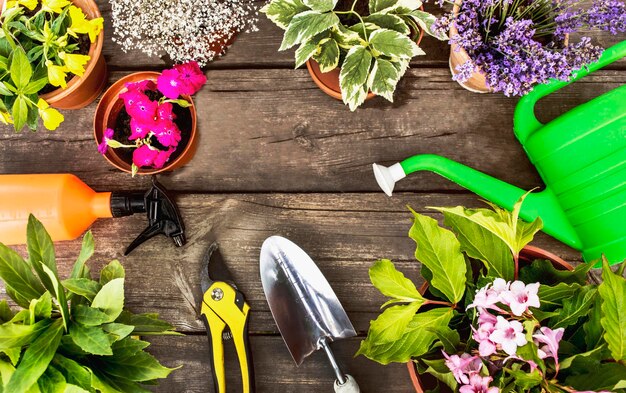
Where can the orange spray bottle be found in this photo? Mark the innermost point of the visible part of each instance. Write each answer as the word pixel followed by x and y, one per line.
pixel 67 207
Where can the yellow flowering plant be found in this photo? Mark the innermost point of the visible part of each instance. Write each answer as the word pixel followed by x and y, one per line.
pixel 42 45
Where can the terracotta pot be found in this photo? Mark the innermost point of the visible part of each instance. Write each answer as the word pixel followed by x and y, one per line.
pixel 328 82
pixel 106 115
pixel 83 90
pixel 527 255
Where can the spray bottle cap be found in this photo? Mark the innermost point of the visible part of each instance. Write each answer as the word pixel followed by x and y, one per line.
pixel 163 215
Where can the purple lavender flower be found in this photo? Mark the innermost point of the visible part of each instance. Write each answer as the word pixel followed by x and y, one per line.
pixel 464 71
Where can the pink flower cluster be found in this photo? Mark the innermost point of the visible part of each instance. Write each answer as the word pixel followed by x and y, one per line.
pixel 516 295
pixel 466 370
pixel 183 79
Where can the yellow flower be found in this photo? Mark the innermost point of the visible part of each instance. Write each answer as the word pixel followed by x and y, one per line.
pixel 50 116
pixel 80 24
pixel 56 74
pixel 55 6
pixel 74 63
pixel 30 4
pixel 5 117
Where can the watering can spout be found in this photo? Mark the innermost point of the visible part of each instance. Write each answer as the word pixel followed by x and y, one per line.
pixel 543 204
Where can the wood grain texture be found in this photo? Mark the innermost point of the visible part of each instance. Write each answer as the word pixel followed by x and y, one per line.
pixel 343 233
pixel 269 130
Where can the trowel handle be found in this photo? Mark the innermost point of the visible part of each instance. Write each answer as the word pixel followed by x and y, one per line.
pixel 525 122
pixel 345 383
pixel 350 386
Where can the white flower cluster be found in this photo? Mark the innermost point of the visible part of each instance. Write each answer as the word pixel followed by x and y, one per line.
pixel 184 30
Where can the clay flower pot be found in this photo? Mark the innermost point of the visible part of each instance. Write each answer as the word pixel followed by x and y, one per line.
pixel 106 115
pixel 83 90
pixel 527 255
pixel 328 82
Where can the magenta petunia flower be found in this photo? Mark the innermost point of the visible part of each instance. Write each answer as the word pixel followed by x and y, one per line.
pixel 479 384
pixel 103 146
pixel 143 110
pixel 139 129
pixel 141 86
pixel 509 335
pixel 191 77
pixel 167 133
pixel 144 156
pixel 163 157
pixel 169 83
pixel 165 111
pixel 130 97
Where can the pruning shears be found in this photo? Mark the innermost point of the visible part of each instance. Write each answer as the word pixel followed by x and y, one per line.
pixel 225 313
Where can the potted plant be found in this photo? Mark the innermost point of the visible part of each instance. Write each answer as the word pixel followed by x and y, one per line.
pixel 146 121
pixel 196 30
pixel 73 334
pixel 508 47
pixel 354 49
pixel 487 321
pixel 50 55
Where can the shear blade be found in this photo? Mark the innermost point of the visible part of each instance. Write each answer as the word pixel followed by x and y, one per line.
pixel 214 268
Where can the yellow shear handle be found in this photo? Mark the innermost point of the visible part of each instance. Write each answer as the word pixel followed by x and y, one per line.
pixel 218 314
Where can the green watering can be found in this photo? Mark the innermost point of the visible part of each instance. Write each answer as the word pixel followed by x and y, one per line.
pixel 581 156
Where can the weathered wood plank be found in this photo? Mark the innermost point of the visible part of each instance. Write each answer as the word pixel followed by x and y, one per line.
pixel 275 131
pixel 343 233
pixel 275 370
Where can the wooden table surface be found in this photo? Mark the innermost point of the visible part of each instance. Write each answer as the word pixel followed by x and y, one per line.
pixel 278 156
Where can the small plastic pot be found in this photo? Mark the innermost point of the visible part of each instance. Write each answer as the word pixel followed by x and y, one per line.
pixel 527 255
pixel 106 115
pixel 83 90
pixel 328 82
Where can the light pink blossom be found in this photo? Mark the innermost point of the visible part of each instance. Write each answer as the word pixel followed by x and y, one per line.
pixel 489 295
pixel 463 366
pixel 486 326
pixel 550 338
pixel 520 296
pixel 479 384
pixel 509 335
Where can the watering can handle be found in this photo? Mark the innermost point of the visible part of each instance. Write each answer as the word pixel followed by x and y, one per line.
pixel 525 122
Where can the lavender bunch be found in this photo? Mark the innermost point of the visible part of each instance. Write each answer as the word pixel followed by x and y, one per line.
pixel 184 30
pixel 520 43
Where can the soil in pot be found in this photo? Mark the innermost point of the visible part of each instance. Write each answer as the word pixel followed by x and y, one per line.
pixel 122 130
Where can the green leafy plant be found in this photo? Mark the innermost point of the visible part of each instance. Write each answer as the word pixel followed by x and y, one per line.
pixel 372 48
pixel 39 45
pixel 74 334
pixel 489 324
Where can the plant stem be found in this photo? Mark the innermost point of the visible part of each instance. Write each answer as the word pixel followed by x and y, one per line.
pixel 439 302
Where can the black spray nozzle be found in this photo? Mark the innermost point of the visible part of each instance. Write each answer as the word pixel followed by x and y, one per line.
pixel 163 215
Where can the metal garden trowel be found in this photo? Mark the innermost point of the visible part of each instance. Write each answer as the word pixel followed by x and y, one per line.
pixel 305 308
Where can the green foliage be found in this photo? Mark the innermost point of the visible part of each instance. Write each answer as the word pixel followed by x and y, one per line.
pixel 613 293
pixel 373 53
pixel 71 335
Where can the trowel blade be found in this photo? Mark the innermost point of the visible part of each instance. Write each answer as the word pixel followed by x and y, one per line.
pixel 304 306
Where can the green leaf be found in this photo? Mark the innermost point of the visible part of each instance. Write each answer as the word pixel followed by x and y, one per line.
pixel 353 76
pixel 574 308
pixel 13 335
pixel 82 287
pixel 449 338
pixel 383 78
pixel 41 308
pixel 605 377
pixel 145 324
pixel 89 316
pixel 20 68
pixel 73 372
pixel 36 359
pixel 6 314
pixel 14 354
pixel 425 20
pixel 59 293
pixel 328 56
pixel 553 296
pixel 306 25
pixel 544 271
pixel 593 327
pixel 392 283
pixel 52 381
pixel 35 86
pixel 91 339
pixel 79 270
pixel 595 354
pixel 439 370
pixel 394 44
pixel 379 5
pixel 613 293
pixel 40 251
pixel 391 324
pixel 139 367
pixel 480 243
pixel 345 37
pixel 415 341
pixel 120 330
pixel 16 273
pixel 75 389
pixel 440 251
pixel 6 370
pixel 320 5
pixel 524 379
pixel 4 90
pixel 19 112
pixel 112 271
pixel 309 48
pixel 389 21
pixel 282 11
pixel 110 299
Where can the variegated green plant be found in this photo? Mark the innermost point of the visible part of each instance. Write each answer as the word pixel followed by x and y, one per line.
pixel 71 335
pixel 373 53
